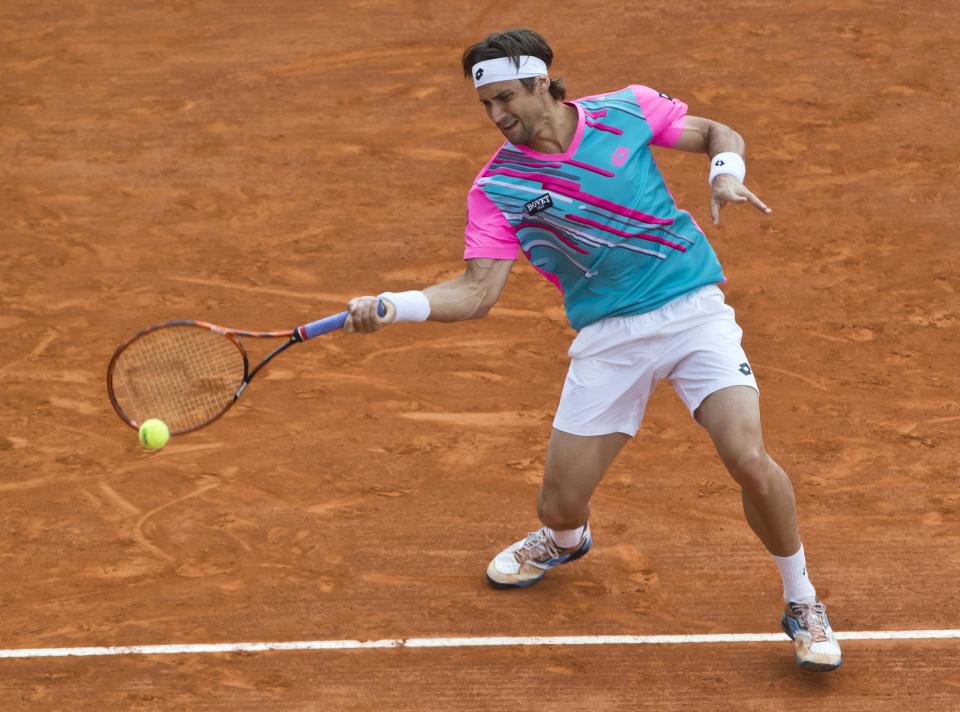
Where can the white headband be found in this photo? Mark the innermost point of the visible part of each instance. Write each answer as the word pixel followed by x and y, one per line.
pixel 503 69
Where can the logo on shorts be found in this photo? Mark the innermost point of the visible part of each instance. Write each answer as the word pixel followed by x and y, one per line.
pixel 665 96
pixel 538 205
pixel 478 74
pixel 745 369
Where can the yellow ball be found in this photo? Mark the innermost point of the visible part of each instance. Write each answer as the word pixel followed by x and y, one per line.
pixel 154 433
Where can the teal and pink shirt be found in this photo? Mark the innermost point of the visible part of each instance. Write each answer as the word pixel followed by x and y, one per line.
pixel 598 219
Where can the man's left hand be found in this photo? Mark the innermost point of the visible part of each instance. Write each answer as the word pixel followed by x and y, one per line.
pixel 727 189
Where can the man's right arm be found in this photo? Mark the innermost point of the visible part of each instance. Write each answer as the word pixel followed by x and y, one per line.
pixel 472 294
pixel 469 296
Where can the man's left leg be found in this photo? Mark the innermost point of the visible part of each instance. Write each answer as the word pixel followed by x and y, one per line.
pixel 732 417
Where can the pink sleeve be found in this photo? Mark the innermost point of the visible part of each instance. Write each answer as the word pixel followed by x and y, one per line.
pixel 665 114
pixel 488 233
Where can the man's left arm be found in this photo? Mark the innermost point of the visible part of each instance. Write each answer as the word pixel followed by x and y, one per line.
pixel 713 138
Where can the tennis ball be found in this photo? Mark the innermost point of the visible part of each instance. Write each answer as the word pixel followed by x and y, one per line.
pixel 154 434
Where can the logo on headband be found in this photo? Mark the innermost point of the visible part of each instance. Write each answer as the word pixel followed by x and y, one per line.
pixel 478 74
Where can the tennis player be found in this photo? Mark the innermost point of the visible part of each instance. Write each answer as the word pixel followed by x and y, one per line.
pixel 576 188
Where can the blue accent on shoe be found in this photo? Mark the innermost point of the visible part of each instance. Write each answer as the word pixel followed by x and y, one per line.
pixel 522 584
pixel 790 626
pixel 566 558
pixel 573 555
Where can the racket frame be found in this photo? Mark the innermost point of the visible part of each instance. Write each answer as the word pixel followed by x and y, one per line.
pixel 293 336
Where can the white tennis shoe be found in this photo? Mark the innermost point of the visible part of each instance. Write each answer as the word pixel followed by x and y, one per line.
pixel 528 560
pixel 816 647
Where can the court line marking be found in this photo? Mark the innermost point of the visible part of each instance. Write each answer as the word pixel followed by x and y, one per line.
pixel 479 642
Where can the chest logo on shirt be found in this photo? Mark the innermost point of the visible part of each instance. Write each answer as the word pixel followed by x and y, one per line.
pixel 620 156
pixel 538 205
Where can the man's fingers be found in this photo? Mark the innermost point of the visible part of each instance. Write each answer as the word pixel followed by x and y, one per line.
pixel 370 315
pixel 373 320
pixel 754 200
pixel 362 316
pixel 349 325
pixel 740 195
pixel 732 196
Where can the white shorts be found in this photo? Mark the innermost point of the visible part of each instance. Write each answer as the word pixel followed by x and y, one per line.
pixel 693 342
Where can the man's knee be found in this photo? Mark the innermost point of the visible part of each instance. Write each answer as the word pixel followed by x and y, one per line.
pixel 752 468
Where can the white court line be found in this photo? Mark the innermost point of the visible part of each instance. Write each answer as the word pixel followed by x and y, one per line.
pixel 462 643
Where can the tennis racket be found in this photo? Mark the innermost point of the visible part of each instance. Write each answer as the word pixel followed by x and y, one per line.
pixel 189 373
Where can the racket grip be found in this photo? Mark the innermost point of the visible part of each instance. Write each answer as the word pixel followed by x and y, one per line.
pixel 330 323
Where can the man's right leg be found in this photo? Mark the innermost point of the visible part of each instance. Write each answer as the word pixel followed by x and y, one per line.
pixel 574 467
pixel 610 379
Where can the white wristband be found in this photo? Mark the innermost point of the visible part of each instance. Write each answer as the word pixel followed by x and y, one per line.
pixel 727 163
pixel 410 306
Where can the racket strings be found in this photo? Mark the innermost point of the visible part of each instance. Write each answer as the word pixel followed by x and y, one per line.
pixel 182 374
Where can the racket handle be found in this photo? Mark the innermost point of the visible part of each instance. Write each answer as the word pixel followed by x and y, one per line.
pixel 330 323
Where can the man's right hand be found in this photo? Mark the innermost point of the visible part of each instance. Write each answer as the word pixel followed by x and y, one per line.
pixel 363 317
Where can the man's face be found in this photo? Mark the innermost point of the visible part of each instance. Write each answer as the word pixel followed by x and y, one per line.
pixel 518 113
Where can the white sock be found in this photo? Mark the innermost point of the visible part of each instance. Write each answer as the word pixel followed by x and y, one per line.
pixel 793 571
pixel 565 538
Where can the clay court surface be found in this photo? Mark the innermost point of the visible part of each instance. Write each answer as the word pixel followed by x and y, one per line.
pixel 257 164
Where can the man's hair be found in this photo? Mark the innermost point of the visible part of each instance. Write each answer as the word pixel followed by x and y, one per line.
pixel 514 44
